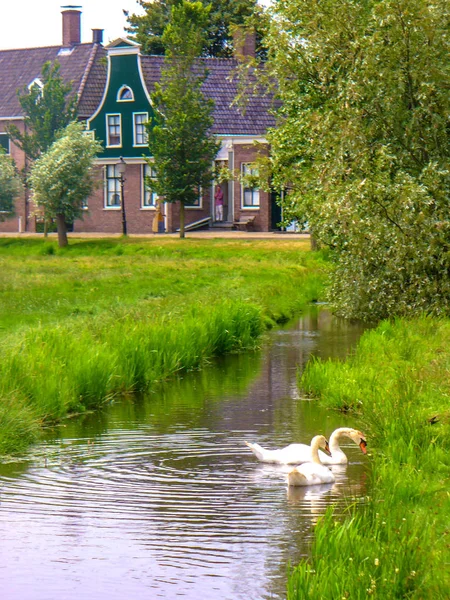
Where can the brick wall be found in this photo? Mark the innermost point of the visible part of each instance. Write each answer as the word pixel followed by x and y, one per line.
pixel 23 220
pixel 246 153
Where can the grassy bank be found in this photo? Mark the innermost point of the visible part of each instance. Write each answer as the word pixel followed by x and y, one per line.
pixel 82 325
pixel 396 544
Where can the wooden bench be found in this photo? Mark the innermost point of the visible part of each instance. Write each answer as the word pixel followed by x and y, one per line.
pixel 244 223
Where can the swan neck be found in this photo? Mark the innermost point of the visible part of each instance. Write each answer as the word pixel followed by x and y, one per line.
pixel 315 452
pixel 335 437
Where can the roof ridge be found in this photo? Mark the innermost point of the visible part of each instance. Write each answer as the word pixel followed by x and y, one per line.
pixel 45 47
pixel 87 71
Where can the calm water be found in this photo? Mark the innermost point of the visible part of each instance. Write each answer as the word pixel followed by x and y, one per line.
pixel 160 498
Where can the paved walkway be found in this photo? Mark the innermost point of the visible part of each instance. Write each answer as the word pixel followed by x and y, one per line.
pixel 207 234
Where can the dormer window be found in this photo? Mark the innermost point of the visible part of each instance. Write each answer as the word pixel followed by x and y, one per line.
pixel 36 86
pixel 125 94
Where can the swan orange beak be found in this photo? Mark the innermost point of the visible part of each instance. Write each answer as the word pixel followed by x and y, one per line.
pixel 327 448
pixel 363 446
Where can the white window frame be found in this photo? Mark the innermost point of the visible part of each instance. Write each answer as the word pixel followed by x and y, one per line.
pixel 200 201
pixel 115 189
pixel 121 90
pixel 135 143
pixel 108 145
pixel 244 167
pixel 147 192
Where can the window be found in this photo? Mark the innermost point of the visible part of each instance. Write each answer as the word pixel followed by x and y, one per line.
pixel 140 133
pixel 114 130
pixel 4 142
pixel 112 199
pixel 149 196
pixel 125 94
pixel 198 201
pixel 250 193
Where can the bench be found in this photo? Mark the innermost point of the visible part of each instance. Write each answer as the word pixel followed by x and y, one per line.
pixel 244 223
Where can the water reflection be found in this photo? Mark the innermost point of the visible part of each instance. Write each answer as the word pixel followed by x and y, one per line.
pixel 160 497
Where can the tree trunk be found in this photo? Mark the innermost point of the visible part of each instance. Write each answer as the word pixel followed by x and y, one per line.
pixel 181 219
pixel 62 230
pixel 46 227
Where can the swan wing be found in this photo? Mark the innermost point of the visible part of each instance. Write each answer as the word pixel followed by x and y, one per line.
pixel 294 454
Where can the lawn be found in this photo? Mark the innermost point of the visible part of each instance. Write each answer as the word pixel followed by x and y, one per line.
pixel 85 324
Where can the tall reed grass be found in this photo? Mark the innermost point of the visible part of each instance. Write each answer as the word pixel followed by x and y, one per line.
pixel 144 314
pixel 396 543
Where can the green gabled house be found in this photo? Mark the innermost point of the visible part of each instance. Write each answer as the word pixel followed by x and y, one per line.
pixel 113 86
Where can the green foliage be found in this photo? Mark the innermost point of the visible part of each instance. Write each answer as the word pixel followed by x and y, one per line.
pixel 179 137
pixel 86 324
pixel 62 177
pixel 9 185
pixel 363 145
pixel 47 110
pixel 148 29
pixel 394 545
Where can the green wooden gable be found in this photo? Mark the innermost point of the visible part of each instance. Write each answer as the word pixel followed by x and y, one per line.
pixel 125 95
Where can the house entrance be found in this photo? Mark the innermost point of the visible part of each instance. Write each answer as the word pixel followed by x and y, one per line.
pixel 222 196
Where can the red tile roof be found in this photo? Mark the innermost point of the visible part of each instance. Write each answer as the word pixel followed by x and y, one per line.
pixel 221 85
pixel 18 68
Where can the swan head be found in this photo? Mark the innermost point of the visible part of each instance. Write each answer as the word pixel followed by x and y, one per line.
pixel 359 439
pixel 320 441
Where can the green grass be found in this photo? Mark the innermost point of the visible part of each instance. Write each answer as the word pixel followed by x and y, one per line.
pixel 396 544
pixel 81 326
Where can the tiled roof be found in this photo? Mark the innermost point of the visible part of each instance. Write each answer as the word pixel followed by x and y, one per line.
pixel 82 67
pixel 221 85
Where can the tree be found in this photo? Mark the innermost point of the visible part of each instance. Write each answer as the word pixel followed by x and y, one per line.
pixel 363 144
pixel 47 109
pixel 9 185
pixel 62 177
pixel 148 29
pixel 179 134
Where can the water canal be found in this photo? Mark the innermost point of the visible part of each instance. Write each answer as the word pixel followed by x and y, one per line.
pixel 160 498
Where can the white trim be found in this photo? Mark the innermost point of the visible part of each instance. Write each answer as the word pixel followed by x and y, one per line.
pixel 108 145
pixel 132 160
pixel 123 50
pixel 235 139
pixel 144 87
pixel 143 190
pixel 21 118
pixel 105 93
pixel 36 81
pixel 253 206
pixel 124 87
pixel 105 189
pixel 145 144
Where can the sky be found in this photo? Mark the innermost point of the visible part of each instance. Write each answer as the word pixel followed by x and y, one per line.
pixel 31 23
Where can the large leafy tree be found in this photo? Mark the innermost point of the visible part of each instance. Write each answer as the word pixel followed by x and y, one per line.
pixel 363 145
pixel 179 134
pixel 48 108
pixel 148 29
pixel 62 177
pixel 9 185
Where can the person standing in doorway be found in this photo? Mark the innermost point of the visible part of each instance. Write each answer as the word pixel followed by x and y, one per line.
pixel 218 200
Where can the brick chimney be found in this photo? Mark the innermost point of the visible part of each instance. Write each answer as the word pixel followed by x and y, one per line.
pixel 71 25
pixel 97 36
pixel 244 41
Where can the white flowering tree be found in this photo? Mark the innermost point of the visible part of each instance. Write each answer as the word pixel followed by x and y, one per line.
pixel 9 185
pixel 62 177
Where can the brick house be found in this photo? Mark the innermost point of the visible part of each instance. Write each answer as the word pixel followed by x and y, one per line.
pixel 113 86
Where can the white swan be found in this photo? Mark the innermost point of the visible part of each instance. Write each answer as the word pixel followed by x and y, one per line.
pixel 295 454
pixel 312 473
